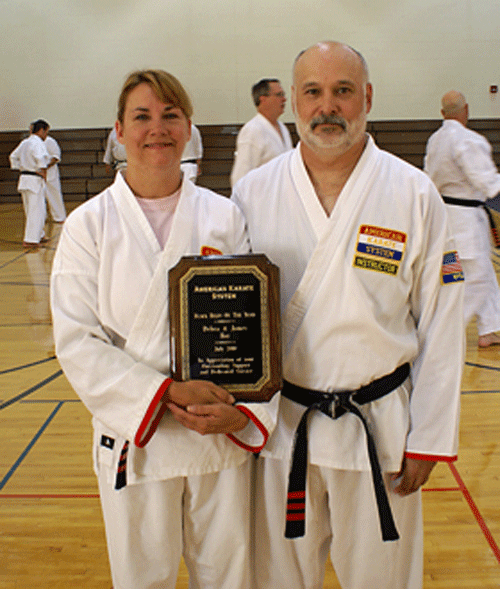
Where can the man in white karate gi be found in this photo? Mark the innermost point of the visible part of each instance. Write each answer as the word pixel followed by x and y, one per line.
pixel 192 155
pixel 32 158
pixel 264 136
pixel 115 155
pixel 460 163
pixel 371 294
pixel 53 192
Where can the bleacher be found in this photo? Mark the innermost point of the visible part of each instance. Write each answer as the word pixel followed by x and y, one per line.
pixel 83 174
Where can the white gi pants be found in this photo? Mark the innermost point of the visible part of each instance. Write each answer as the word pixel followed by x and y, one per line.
pixel 55 198
pixel 341 518
pixel 481 294
pixel 35 211
pixel 206 519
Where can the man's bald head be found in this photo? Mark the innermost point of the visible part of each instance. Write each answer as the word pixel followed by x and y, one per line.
pixel 454 106
pixel 324 49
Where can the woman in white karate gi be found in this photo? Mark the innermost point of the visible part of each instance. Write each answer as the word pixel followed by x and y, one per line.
pixel 166 490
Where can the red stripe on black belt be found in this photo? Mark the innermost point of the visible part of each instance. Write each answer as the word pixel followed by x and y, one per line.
pixel 121 474
pixel 335 405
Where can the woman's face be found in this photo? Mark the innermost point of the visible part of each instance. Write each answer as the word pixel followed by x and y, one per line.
pixel 154 133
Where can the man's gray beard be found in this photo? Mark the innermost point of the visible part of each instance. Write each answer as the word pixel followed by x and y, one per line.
pixel 334 144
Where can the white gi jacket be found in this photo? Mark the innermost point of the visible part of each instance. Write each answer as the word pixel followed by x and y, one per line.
pixel 30 155
pixel 257 143
pixel 194 147
pixel 115 153
pixel 460 164
pixel 55 152
pixel 192 151
pixel 109 296
pixel 362 294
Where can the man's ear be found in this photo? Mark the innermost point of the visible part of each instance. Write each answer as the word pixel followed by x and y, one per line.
pixel 369 97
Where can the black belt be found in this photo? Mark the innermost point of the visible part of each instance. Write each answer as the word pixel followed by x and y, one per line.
pixel 27 173
pixel 195 161
pixel 464 202
pixel 334 405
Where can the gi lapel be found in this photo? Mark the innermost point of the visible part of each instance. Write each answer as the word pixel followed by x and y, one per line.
pixel 150 327
pixel 331 233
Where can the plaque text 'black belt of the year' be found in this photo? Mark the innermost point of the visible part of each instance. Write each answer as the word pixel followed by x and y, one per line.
pixel 466 202
pixel 334 405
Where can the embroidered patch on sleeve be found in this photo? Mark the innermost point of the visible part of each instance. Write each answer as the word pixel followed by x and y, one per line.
pixel 451 270
pixel 206 250
pixel 379 249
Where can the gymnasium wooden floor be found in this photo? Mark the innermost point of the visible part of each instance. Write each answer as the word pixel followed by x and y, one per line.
pixel 51 534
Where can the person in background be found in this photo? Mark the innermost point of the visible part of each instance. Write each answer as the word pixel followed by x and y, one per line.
pixel 193 154
pixel 373 339
pixel 460 164
pixel 31 158
pixel 174 478
pixel 264 136
pixel 53 192
pixel 115 155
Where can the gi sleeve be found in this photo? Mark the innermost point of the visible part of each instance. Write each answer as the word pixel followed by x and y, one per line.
pixel 14 158
pixel 474 158
pixel 262 421
pixel 120 391
pixel 437 308
pixel 248 155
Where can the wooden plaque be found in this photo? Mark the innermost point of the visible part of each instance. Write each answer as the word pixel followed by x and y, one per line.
pixel 225 323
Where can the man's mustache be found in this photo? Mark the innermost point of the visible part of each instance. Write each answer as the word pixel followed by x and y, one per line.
pixel 328 120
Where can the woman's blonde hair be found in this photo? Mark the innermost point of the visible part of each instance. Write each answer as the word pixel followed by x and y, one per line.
pixel 165 86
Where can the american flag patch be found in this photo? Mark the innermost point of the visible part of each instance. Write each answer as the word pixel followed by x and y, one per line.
pixel 452 268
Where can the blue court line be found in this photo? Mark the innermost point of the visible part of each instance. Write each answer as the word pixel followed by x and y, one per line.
pixel 13 260
pixel 31 390
pixel 15 283
pixel 16 464
pixel 30 324
pixel 35 401
pixel 27 365
pixel 497 368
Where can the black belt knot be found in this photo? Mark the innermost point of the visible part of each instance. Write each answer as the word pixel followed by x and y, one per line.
pixel 334 405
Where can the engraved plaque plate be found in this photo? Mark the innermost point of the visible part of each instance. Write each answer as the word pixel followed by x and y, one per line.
pixel 225 323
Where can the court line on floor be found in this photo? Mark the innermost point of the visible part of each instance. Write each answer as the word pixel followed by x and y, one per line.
pixel 26 451
pixel 28 324
pixel 486 367
pixel 18 257
pixel 475 510
pixel 23 366
pixel 19 283
pixel 461 485
pixel 49 496
pixel 31 390
pixel 479 392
